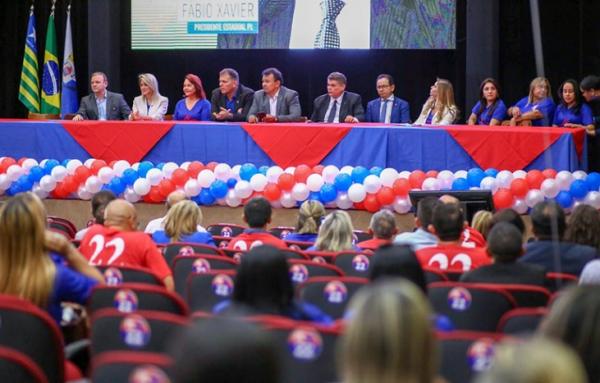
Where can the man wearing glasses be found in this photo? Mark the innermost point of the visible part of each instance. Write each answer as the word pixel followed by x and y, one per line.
pixel 387 108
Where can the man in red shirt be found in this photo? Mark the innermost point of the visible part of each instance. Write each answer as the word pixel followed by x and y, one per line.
pixel 383 228
pixel 448 224
pixel 118 243
pixel 257 214
pixel 469 237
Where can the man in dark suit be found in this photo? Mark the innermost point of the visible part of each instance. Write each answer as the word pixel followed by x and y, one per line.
pixel 278 103
pixel 338 105
pixel 231 101
pixel 548 250
pixel 387 108
pixel 102 104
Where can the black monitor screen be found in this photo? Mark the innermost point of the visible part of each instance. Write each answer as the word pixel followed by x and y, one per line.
pixel 471 201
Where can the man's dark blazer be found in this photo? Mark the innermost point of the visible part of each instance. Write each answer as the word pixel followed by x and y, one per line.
pixel 573 257
pixel 288 105
pixel 507 273
pixel 400 111
pixel 243 102
pixel 351 106
pixel 116 107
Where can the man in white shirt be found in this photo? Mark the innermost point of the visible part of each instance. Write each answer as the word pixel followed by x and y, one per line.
pixel 275 101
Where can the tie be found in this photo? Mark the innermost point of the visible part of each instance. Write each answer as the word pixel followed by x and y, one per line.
pixel 383 110
pixel 332 112
pixel 328 36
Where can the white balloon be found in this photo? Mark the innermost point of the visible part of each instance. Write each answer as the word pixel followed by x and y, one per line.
pixel 105 174
pixel 579 174
pixel 520 206
pixel 141 186
pixel 192 188
pixel 15 171
pixel 402 205
pixel 206 177
pixel 120 166
pixel 533 197
pixel 290 170
pixel 287 200
pixel 347 169
pixel 372 183
pixel 564 179
pixel 231 199
pixel 135 166
pixel 93 184
pixel 235 172
pixel 58 172
pixel 431 183
pixel 186 165
pixel 357 193
pixel 446 177
pixel 83 193
pixel 519 174
pixel 130 195
pixel 4 182
pixel 460 174
pixel 593 199
pixel 388 176
pixel 258 182
pixel 329 173
pixel 504 179
pixel 47 183
pixel 169 168
pixel 404 174
pixel 549 188
pixel 222 172
pixel 37 190
pixel 30 162
pixel 88 163
pixel 314 182
pixel 489 183
pixel 343 201
pixel 273 174
pixel 243 189
pixel 300 192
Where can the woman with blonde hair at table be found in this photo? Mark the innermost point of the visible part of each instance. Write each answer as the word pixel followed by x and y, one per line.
pixel 389 336
pixel 440 108
pixel 335 233
pixel 181 225
pixel 536 109
pixel 150 105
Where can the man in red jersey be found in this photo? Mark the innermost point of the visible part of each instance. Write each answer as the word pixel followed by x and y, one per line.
pixel 257 214
pixel 118 243
pixel 469 236
pixel 448 224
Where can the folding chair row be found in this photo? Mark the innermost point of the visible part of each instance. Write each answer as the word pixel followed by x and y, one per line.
pixel 132 366
pixel 184 266
pixel 330 294
pixel 172 250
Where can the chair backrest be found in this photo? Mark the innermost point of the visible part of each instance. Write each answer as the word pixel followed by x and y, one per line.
pixel 228 230
pixel 206 290
pixel 469 306
pixel 522 320
pixel 330 294
pixel 524 295
pixel 130 297
pixel 62 226
pixel 27 329
pixel 295 254
pixel 18 367
pixel 353 264
pixel 114 276
pixel 298 245
pixel 556 281
pixel 183 266
pixel 434 275
pixel 149 331
pixel 321 256
pixel 466 353
pixel 131 366
pixel 359 236
pixel 171 250
pixel 301 270
pixel 453 275
pixel 281 231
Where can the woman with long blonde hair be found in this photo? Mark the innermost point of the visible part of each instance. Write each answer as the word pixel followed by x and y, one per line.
pixel 335 233
pixel 310 214
pixel 440 108
pixel 181 225
pixel 149 105
pixel 537 108
pixel 37 264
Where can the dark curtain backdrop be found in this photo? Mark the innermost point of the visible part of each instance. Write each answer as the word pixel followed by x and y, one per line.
pixel 569 27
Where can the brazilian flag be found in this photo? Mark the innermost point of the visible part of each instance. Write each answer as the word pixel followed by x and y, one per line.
pixel 51 75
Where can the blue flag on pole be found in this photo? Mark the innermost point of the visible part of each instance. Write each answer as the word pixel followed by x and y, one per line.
pixel 69 99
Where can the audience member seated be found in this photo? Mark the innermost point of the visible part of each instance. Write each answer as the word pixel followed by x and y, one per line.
pixel 533 361
pixel 335 233
pixel 549 250
pixel 263 286
pixel 584 226
pixel 159 223
pixel 99 202
pixel 505 246
pixel 181 225
pixel 481 222
pixel 387 108
pixel 225 351
pixel 421 237
pixel 37 264
pixel 383 228
pixel 448 224
pixel 439 109
pixel 389 337
pixel 573 319
pixel 490 109
pixel 397 261
pixel 469 237
pixel 590 275
pixel 310 215
pixel 102 104
pixel 150 105
pixel 257 214
pixel 118 243
pixel 276 102
pixel 194 105
pixel 337 105
pixel 572 112
pixel 537 108
pixel 231 101
pixel 509 216
pixel 590 90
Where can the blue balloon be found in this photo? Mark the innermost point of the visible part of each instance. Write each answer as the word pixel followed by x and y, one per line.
pixel 578 189
pixel 314 196
pixel 247 171
pixel 50 164
pixel 13 189
pixel 218 189
pixel 460 184
pixel 593 181
pixel 129 176
pixel 474 177
pixel 491 172
pixel 24 183
pixel 263 169
pixel 206 198
pixel 117 186
pixel 144 167
pixel 231 183
pixel 328 193
pixel 359 174
pixel 564 199
pixel 160 165
pixel 376 170
pixel 342 181
pixel 36 173
pixel 65 162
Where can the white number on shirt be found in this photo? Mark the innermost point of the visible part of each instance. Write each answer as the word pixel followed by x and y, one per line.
pixel 99 242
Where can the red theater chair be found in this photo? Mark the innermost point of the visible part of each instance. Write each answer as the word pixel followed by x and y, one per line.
pixel 522 321
pixel 229 230
pixel 172 250
pixel 300 270
pixel 206 290
pixel 184 266
pixel 330 294
pixel 281 231
pixel 18 367
pixel 131 366
pixel 353 264
pixel 125 274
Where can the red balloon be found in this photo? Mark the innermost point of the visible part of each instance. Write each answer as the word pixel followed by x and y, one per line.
pixel 549 173
pixel 534 179
pixel 70 184
pixel 112 163
pixel 401 187
pixel 385 196
pixel 371 203
pixel 21 160
pixel 359 205
pixel 212 165
pixel 195 168
pixel 5 163
pixel 285 181
pixel 82 173
pixel 519 187
pixel 97 165
pixel 503 199
pixel 155 195
pixel 432 174
pixel 318 169
pixel 301 173
pixel 59 191
pixel 416 179
pixel 165 187
pixel 179 177
pixel 272 192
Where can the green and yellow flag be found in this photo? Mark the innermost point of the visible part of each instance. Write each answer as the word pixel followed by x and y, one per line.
pixel 29 87
pixel 51 75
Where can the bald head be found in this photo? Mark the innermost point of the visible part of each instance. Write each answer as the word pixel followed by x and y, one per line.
pixel 447 198
pixel 174 197
pixel 121 215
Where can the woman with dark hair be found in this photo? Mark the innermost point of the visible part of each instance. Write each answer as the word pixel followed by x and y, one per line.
pixel 583 226
pixel 263 286
pixel 490 109
pixel 397 261
pixel 572 112
pixel 194 105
